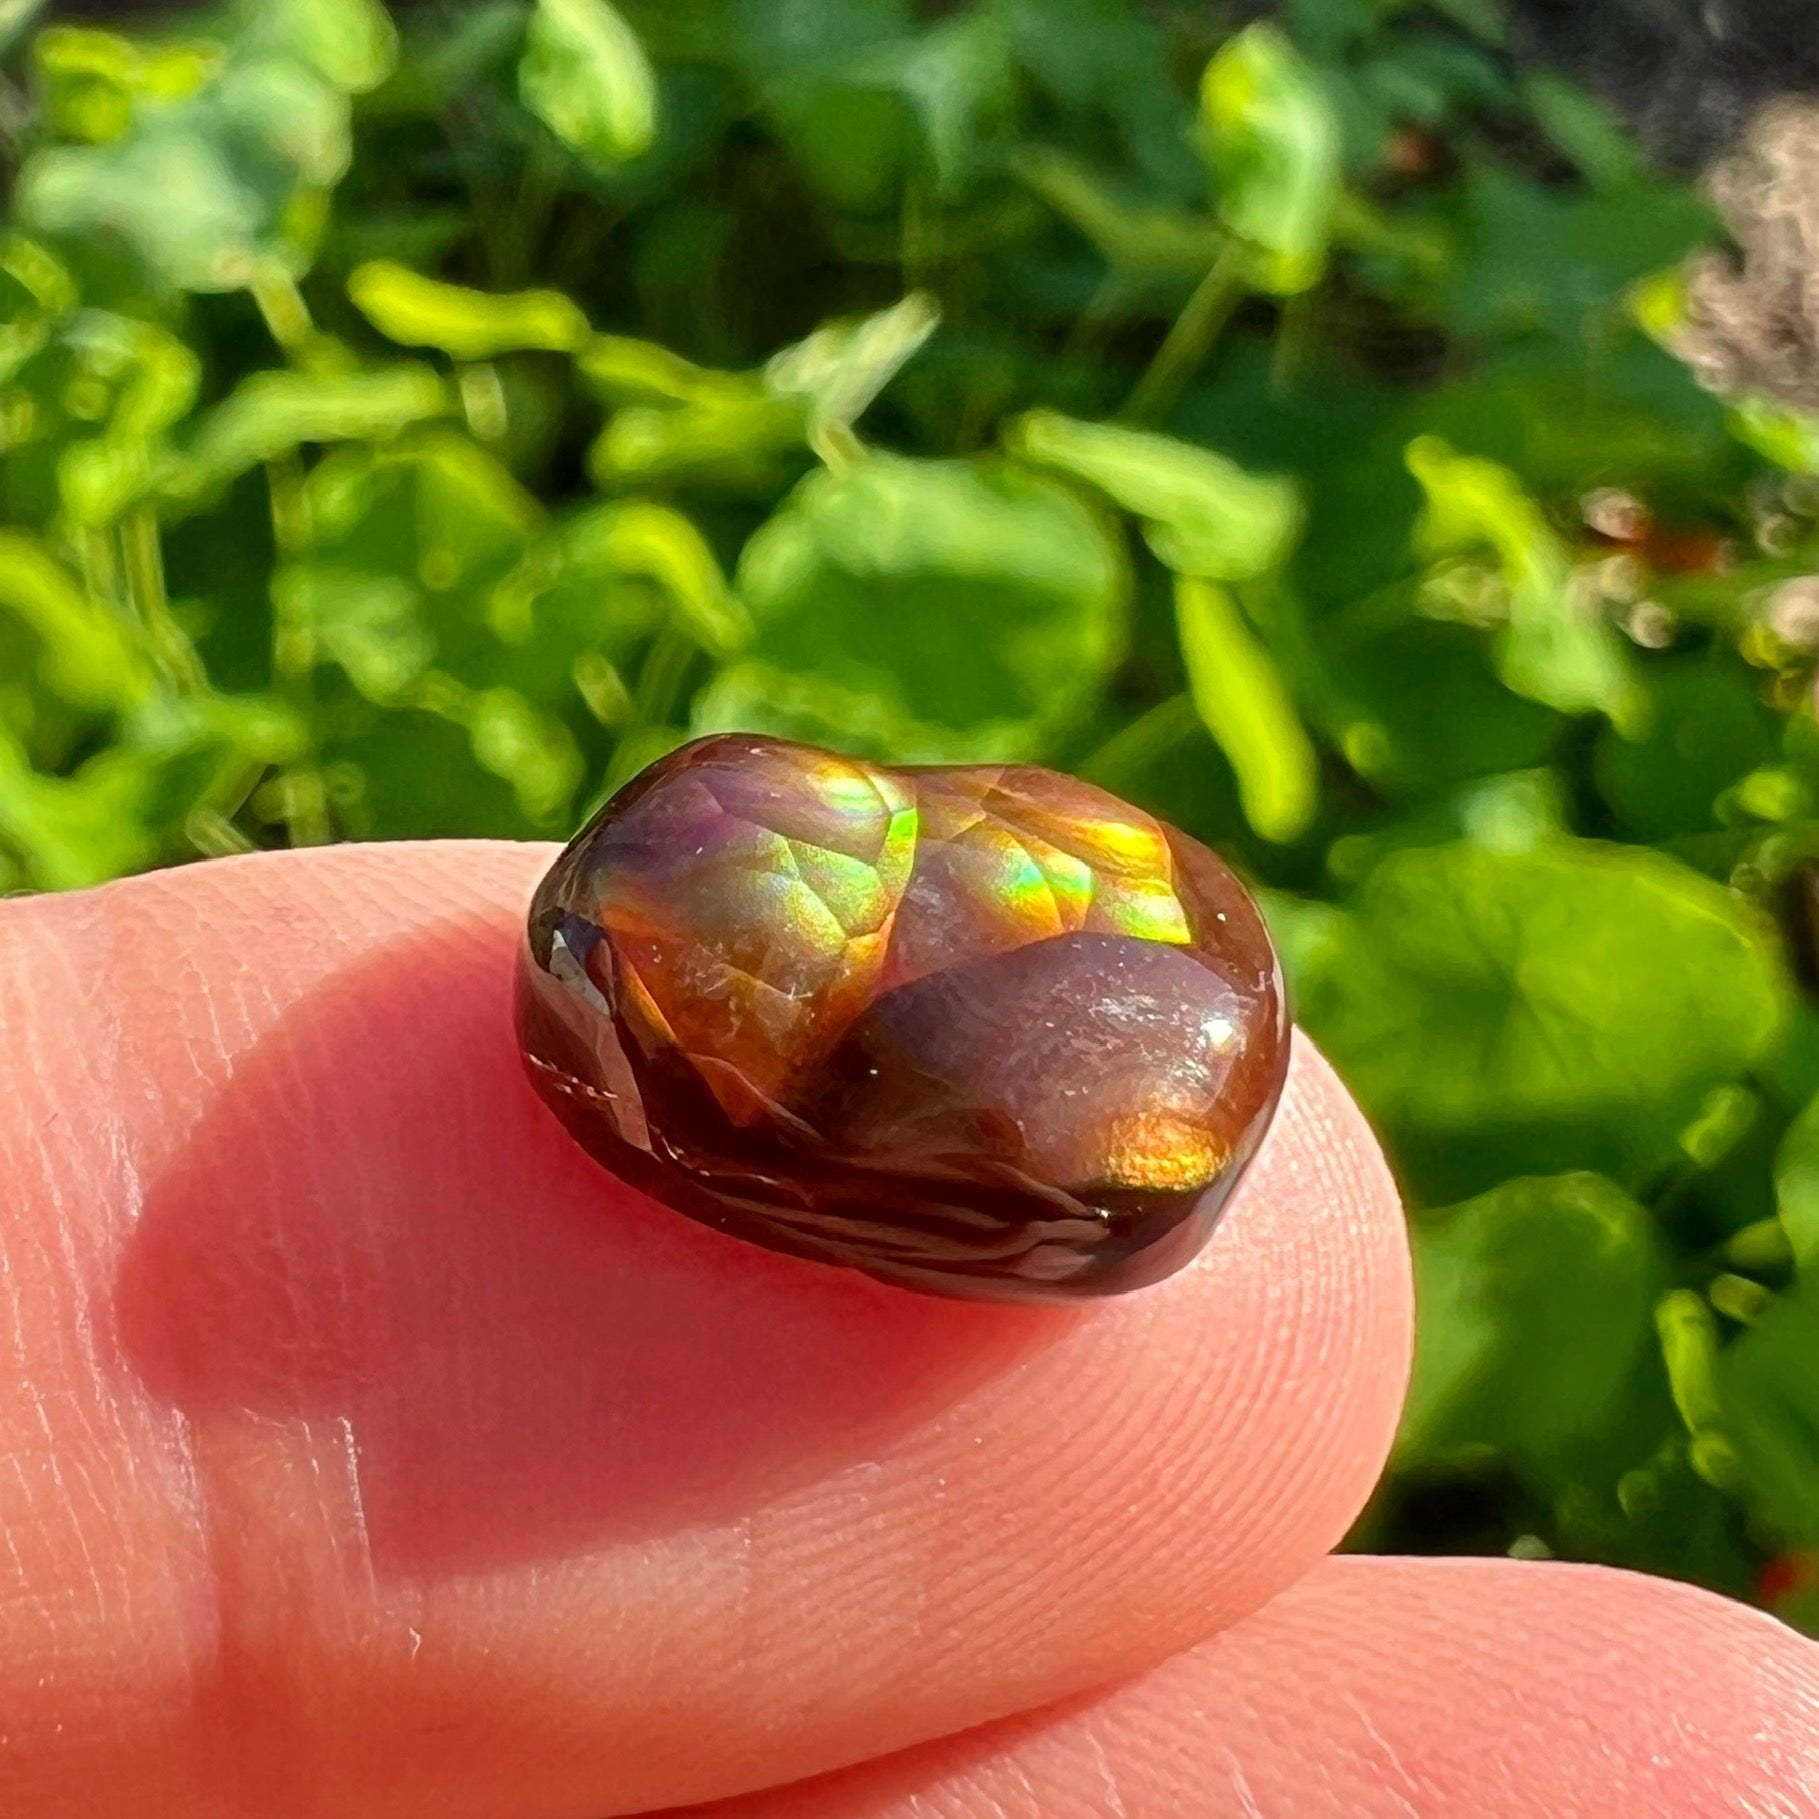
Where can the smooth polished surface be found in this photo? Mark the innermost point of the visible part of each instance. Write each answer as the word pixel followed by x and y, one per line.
pixel 983 1030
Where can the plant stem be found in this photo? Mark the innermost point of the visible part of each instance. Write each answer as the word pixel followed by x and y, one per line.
pixel 527 217
pixel 1191 338
pixel 281 305
pixel 303 800
pixel 660 681
pixel 142 557
pixel 1123 756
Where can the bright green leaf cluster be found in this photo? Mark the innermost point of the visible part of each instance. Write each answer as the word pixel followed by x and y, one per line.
pixel 1273 139
pixel 585 76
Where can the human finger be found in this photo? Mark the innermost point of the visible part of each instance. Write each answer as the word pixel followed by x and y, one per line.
pixel 377 1453
pixel 1400 1689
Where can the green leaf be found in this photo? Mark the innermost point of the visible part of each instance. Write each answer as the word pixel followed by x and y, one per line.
pixel 1568 1005
pixel 65 833
pixel 1375 701
pixel 977 603
pixel 679 420
pixel 843 366
pixel 628 371
pixel 370 625
pixel 86 79
pixel 738 441
pixel 273 413
pixel 93 81
pixel 1797 1184
pixel 351 42
pixel 1484 19
pixel 1244 703
pixel 130 805
pixel 204 190
pixel 89 657
pixel 406 549
pixel 1202 514
pixel 471 325
pixel 473 45
pixel 412 771
pixel 1274 142
pixel 1545 260
pixel 959 82
pixel 1535 1312
pixel 781 36
pixel 1780 432
pixel 1090 52
pixel 1551 649
pixel 531 750
pixel 1688 1332
pixel 1707 727
pixel 44 279
pixel 1768 1398
pixel 585 76
pixel 153 380
pixel 1585 131
pixel 1631 422
pixel 751 694
pixel 96 395
pixel 852 139
pixel 613 543
pixel 1141 237
pixel 15 16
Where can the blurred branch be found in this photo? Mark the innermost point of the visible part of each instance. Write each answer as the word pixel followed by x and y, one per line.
pixel 1191 337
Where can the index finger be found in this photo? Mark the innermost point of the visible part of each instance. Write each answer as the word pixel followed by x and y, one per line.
pixel 379 1454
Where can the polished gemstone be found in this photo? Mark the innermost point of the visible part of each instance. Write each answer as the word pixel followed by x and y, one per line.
pixel 985 1031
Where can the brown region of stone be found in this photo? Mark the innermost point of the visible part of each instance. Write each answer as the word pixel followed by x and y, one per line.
pixel 983 1030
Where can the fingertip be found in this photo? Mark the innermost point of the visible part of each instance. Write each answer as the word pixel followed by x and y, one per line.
pixel 558 1443
pixel 1380 1689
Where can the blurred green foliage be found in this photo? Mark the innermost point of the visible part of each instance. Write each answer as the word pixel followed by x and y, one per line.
pixel 413 427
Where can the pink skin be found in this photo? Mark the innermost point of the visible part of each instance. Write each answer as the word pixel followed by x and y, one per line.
pixel 1385 1689
pixel 365 1451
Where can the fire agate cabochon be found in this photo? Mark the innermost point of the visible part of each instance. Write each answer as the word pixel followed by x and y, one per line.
pixel 984 1031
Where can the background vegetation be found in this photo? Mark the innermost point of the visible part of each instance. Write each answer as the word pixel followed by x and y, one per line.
pixel 411 427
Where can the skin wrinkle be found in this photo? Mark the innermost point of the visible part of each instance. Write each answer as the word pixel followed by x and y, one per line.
pixel 305 1061
pixel 590 1676
pixel 91 1581
pixel 106 924
pixel 359 1532
pixel 21 1593
pixel 1537 1713
pixel 871 1584
pixel 263 1471
pixel 1108 1776
pixel 191 989
pixel 1375 1689
pixel 233 1458
pixel 1388 1758
pixel 204 1045
pixel 68 1353
pixel 940 1518
pixel 1000 1580
pixel 1300 1311
pixel 743 1556
pixel 1241 1786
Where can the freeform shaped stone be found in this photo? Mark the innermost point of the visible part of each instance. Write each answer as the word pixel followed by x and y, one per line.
pixel 980 1030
